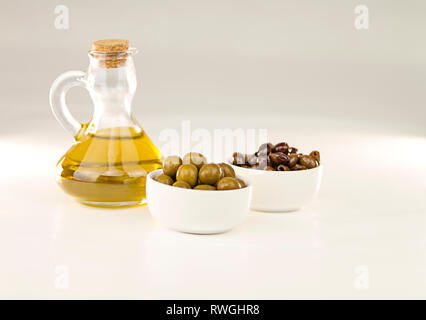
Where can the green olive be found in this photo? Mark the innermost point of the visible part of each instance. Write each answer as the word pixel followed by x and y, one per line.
pixel 227 170
pixel 188 173
pixel 165 179
pixel 242 183
pixel 195 158
pixel 171 165
pixel 182 184
pixel 205 187
pixel 210 174
pixel 228 183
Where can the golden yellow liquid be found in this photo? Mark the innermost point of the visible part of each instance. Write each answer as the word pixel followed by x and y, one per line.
pixel 109 167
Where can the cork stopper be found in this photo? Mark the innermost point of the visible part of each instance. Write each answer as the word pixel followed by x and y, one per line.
pixel 110 45
pixel 110 53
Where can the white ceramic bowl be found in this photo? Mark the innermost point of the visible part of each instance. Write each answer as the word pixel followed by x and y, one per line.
pixel 196 211
pixel 281 191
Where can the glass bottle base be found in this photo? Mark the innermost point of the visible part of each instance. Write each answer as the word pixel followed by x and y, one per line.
pixel 114 204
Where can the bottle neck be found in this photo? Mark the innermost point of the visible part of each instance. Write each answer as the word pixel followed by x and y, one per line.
pixel 112 90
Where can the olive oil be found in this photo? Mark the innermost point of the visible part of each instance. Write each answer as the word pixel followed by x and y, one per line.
pixel 109 167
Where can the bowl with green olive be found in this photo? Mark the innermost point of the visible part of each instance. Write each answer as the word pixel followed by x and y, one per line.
pixel 192 196
pixel 282 178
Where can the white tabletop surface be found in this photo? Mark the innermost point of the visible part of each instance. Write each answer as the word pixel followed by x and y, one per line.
pixel 363 237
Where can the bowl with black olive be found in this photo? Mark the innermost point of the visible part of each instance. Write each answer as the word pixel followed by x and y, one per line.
pixel 192 196
pixel 283 179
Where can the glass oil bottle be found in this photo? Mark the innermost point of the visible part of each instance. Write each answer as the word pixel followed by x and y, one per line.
pixel 112 155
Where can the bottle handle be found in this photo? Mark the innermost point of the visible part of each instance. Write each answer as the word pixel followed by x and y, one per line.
pixel 58 104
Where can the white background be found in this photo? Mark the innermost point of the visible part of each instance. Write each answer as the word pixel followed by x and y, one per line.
pixel 300 70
